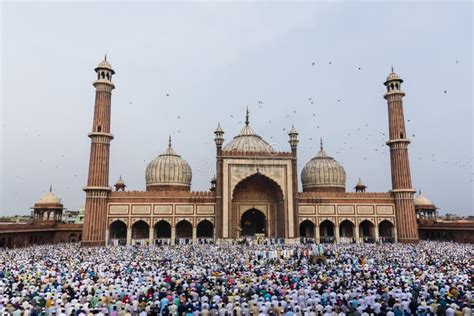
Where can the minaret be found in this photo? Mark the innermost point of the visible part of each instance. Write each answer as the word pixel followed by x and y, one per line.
pixel 402 190
pixel 293 134
pixel 97 189
pixel 219 140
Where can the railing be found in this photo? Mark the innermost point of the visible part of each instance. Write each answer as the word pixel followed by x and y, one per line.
pixel 367 239
pixel 141 241
pixel 307 240
pixel 346 240
pixel 260 240
pixel 327 239
pixel 386 240
pixel 205 241
pixel 117 242
pixel 162 241
pixel 183 241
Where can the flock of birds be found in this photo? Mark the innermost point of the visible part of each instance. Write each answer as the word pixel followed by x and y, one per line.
pixel 373 138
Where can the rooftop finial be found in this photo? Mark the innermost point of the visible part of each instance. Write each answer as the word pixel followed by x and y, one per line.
pixel 50 188
pixel 247 117
pixel 169 141
pixel 321 143
pixel 105 57
pixel 392 68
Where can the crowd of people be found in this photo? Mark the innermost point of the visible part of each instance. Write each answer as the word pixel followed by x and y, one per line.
pixel 428 278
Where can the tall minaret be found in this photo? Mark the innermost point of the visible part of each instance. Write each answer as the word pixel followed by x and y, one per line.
pixel 402 190
pixel 97 189
pixel 219 139
pixel 293 134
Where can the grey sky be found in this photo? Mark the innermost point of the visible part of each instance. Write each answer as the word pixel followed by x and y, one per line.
pixel 216 59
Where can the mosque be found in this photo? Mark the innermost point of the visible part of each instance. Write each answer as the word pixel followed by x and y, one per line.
pixel 254 193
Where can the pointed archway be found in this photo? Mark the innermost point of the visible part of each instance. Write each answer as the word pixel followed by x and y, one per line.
pixel 346 231
pixel 140 230
pixel 367 231
pixel 260 193
pixel 253 222
pixel 386 229
pixel 307 229
pixel 162 230
pixel 184 229
pixel 205 229
pixel 326 231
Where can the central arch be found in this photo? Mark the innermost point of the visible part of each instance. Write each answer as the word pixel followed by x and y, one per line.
pixel 263 197
pixel 253 222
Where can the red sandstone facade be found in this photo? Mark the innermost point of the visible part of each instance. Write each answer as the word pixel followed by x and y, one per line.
pixel 254 192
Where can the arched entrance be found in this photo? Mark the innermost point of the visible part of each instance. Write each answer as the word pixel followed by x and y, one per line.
pixel 367 231
pixel 162 230
pixel 346 231
pixel 140 231
pixel 386 231
pixel 257 193
pixel 326 231
pixel 252 222
pixel 118 233
pixel 307 229
pixel 205 229
pixel 184 229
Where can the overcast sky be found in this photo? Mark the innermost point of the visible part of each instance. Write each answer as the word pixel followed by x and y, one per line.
pixel 214 59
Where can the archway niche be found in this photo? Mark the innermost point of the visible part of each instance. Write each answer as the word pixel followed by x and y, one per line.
pixel 326 231
pixel 386 229
pixel 258 193
pixel 184 229
pixel 140 230
pixel 367 231
pixel 253 222
pixel 117 230
pixel 205 229
pixel 346 231
pixel 162 230
pixel 307 229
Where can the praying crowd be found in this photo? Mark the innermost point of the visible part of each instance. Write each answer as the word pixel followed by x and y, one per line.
pixel 428 278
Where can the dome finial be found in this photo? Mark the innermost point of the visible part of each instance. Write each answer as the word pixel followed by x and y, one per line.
pixel 321 143
pixel 50 188
pixel 392 68
pixel 247 117
pixel 105 57
pixel 169 141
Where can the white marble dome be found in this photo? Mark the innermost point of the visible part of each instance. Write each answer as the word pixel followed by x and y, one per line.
pixel 248 141
pixel 168 169
pixel 422 200
pixel 323 172
pixel 49 198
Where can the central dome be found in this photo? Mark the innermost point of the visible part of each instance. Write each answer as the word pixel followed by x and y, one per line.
pixel 248 141
pixel 323 173
pixel 168 172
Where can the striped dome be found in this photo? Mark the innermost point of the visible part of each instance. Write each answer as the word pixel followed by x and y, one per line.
pixel 168 169
pixel 248 141
pixel 323 172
